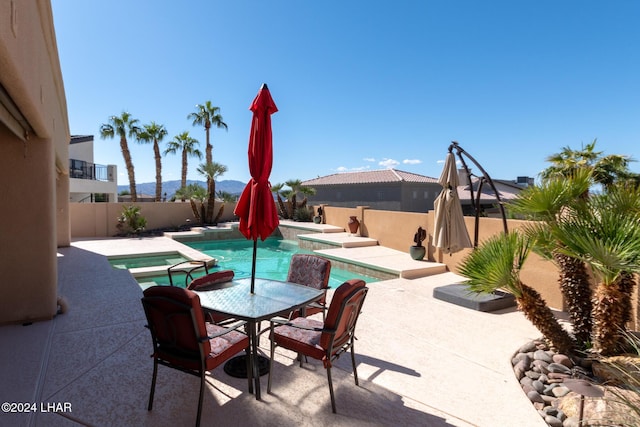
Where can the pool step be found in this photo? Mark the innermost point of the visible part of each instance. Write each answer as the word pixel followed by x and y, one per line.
pixel 365 252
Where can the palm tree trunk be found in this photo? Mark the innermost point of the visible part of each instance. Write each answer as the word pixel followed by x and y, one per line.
pixel 283 209
pixel 156 155
pixel 536 310
pixel 609 315
pixel 211 201
pixel 576 290
pixel 627 285
pixel 129 164
pixel 194 208
pixel 217 218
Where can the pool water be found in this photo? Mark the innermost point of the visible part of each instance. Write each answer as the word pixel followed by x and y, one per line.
pixel 127 262
pixel 272 261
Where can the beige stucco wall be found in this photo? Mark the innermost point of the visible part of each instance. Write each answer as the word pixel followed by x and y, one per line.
pixel 36 220
pixel 100 219
pixel 396 230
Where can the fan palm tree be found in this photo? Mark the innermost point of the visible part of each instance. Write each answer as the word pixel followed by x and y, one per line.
pixel 123 126
pixel 276 189
pixel 195 193
pixel 208 115
pixel 211 171
pixel 187 146
pixel 606 237
pixel 226 197
pixel 296 187
pixel 155 133
pixel 496 264
pixel 544 204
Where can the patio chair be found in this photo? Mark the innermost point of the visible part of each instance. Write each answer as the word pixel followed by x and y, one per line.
pixel 183 340
pixel 313 271
pixel 326 340
pixel 209 282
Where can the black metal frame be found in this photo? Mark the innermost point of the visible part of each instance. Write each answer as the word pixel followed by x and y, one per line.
pixel 475 202
pixel 331 352
pixel 146 303
pixel 177 268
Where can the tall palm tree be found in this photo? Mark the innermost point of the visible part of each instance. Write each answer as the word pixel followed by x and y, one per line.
pixel 496 264
pixel 208 115
pixel 155 133
pixel 607 237
pixel 211 171
pixel 123 126
pixel 187 146
pixel 544 204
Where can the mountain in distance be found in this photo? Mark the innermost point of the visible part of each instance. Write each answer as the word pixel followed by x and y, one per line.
pixel 170 187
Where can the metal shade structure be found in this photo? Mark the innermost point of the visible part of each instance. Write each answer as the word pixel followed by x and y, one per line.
pixel 256 208
pixel 450 232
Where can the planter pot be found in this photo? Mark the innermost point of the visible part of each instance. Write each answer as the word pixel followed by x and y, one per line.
pixel 317 219
pixel 353 224
pixel 417 252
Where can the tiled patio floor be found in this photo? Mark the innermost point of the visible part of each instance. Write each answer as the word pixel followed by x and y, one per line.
pixel 421 362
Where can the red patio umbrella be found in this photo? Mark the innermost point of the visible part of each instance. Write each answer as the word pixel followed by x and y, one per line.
pixel 256 208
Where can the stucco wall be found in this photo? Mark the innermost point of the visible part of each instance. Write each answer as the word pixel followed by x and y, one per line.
pixel 100 219
pixel 32 171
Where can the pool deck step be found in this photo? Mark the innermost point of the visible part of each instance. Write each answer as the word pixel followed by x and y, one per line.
pixel 366 252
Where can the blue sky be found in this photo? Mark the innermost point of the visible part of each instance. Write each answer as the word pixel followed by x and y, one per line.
pixel 360 85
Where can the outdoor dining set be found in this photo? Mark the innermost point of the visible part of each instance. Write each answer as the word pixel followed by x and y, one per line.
pixel 217 319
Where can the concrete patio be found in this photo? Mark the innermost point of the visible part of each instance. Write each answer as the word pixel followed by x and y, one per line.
pixel 421 362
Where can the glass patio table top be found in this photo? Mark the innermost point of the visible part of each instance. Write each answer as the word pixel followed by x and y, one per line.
pixel 270 298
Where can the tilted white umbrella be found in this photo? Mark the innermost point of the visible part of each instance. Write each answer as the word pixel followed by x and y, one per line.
pixel 450 232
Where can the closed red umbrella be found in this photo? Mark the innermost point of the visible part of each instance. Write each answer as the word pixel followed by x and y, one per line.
pixel 256 208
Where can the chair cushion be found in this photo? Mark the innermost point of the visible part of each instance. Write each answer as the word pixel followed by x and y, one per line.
pixel 301 340
pixel 211 280
pixel 309 270
pixel 224 346
pixel 333 313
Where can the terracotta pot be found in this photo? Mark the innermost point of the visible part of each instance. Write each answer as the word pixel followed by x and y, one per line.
pixel 353 224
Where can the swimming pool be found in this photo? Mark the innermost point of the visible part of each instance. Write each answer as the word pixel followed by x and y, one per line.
pixel 126 262
pixel 272 262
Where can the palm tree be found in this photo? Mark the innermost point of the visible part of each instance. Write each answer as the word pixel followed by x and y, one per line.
pixel 123 126
pixel 544 204
pixel 296 187
pixel 605 234
pixel 496 264
pixel 208 115
pixel 211 171
pixel 195 193
pixel 226 197
pixel 155 133
pixel 277 188
pixel 187 146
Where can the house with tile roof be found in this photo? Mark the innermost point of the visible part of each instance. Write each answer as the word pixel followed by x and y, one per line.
pixel 385 189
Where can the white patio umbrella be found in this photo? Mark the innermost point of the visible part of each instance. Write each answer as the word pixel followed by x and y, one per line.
pixel 450 232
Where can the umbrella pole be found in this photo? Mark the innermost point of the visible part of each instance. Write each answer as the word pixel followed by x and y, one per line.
pixel 253 264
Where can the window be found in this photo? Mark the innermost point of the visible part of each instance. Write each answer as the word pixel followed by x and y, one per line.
pixel 415 194
pixel 426 194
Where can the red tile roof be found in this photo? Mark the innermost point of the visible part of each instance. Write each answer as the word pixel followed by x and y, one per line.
pixel 370 177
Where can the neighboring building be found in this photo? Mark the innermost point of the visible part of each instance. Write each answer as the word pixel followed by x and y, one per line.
pixel 387 189
pixel 507 190
pixel 89 182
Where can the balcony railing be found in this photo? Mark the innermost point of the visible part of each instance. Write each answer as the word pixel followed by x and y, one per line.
pixel 81 169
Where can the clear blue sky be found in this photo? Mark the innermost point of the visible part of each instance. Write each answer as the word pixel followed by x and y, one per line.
pixel 360 85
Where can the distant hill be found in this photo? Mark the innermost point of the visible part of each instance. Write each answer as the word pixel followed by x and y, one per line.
pixel 170 187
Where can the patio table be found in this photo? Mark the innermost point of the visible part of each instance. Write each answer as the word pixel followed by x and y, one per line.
pixel 270 298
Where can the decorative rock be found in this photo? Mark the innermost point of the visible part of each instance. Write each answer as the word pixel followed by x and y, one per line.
pixel 540 366
pixel 520 369
pixel 571 422
pixel 542 355
pixel 549 400
pixel 530 346
pixel 533 374
pixel 560 391
pixel 553 421
pixel 538 386
pixel 521 356
pixel 557 367
pixel 557 376
pixel 548 390
pixel 562 359
pixel 534 396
